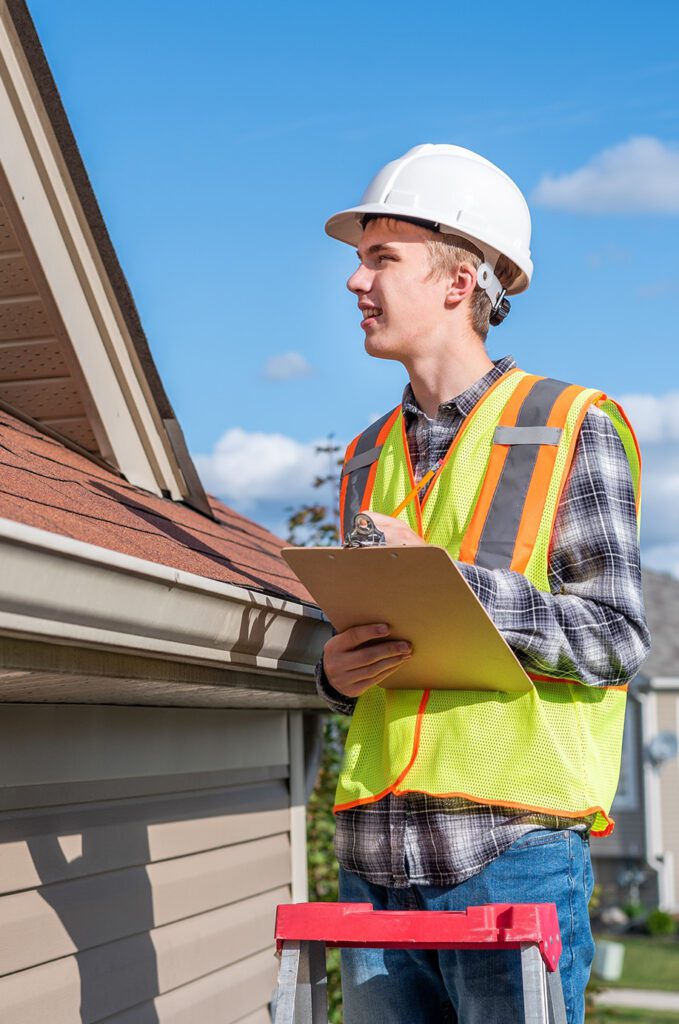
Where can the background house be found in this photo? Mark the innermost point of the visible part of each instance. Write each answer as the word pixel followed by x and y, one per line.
pixel 156 654
pixel 640 860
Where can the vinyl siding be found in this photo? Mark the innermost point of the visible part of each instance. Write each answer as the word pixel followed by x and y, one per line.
pixel 140 900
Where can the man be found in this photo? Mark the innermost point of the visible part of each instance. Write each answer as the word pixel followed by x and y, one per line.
pixel 446 800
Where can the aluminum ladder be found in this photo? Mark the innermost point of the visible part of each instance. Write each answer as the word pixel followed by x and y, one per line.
pixel 303 930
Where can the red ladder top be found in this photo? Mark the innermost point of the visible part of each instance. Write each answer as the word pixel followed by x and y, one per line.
pixel 495 925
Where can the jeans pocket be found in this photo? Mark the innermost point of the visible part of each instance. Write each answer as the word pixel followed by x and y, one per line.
pixel 539 837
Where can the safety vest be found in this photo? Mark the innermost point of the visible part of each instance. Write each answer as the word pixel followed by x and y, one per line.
pixel 493 503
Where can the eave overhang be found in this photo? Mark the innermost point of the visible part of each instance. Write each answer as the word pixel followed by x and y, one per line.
pixel 73 353
pixel 63 592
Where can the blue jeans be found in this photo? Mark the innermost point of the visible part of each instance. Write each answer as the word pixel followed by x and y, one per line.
pixel 429 986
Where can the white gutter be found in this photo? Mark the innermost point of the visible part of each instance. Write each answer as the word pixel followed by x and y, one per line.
pixel 66 591
pixel 664 683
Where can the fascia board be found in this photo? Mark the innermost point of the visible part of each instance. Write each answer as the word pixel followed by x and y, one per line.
pixel 53 587
pixel 664 683
pixel 39 181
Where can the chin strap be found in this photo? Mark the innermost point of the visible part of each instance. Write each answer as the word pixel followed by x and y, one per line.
pixel 499 305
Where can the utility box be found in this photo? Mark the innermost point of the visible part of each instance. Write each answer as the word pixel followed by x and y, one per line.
pixel 608 960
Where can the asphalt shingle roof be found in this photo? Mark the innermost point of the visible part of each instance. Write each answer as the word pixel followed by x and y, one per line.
pixel 661 595
pixel 45 484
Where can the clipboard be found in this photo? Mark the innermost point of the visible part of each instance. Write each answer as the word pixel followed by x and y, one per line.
pixel 422 595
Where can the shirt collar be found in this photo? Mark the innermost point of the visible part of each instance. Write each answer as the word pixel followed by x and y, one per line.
pixel 464 402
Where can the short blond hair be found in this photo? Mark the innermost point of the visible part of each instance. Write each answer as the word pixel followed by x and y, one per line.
pixel 447 252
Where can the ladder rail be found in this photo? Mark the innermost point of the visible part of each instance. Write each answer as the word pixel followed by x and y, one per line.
pixel 304 930
pixel 302 993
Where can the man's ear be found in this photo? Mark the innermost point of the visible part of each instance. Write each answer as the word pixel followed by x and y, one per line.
pixel 461 284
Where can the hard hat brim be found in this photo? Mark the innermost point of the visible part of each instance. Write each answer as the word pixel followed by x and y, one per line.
pixel 346 227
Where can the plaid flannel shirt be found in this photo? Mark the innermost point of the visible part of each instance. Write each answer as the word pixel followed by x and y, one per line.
pixel 590 627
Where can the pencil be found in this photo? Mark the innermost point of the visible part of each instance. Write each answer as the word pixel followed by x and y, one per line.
pixel 418 487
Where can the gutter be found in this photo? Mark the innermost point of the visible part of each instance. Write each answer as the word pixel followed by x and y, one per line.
pixel 70 592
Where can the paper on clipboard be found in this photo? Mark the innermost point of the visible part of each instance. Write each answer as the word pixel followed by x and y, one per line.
pixel 425 599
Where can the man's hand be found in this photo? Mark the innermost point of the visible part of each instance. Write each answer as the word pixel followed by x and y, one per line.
pixel 351 668
pixel 396 531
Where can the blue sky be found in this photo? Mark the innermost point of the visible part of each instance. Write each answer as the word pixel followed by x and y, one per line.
pixel 220 136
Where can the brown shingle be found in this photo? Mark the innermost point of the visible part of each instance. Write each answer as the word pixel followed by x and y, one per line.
pixel 44 484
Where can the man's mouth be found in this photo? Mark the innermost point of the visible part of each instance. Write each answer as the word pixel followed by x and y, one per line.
pixel 370 313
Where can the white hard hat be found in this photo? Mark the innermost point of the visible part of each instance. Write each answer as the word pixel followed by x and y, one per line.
pixel 457 192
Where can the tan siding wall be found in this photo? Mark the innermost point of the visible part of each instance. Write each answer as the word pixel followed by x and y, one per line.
pixel 155 904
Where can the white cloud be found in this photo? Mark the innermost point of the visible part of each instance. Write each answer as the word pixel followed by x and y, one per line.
pixel 287 366
pixel 655 418
pixel 256 469
pixel 637 176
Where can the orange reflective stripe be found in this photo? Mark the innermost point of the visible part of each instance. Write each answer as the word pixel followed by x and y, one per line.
pixel 345 482
pixel 367 440
pixel 381 438
pixel 569 461
pixel 467 421
pixel 536 497
pixel 411 474
pixel 413 755
pixel 498 456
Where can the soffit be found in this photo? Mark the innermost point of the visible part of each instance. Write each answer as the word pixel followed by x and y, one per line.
pixel 101 389
pixel 36 366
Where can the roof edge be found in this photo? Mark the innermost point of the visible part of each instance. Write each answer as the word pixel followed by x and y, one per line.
pixel 49 95
pixel 68 591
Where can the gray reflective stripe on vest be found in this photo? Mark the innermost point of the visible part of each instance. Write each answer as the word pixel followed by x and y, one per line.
pixel 496 546
pixel 527 435
pixel 361 461
pixel 358 473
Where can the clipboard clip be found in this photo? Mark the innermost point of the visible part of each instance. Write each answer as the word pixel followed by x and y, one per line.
pixel 364 533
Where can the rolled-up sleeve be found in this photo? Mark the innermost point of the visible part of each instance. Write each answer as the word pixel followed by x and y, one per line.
pixel 591 626
pixel 335 700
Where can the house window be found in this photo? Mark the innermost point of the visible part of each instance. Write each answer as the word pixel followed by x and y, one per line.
pixel 627 796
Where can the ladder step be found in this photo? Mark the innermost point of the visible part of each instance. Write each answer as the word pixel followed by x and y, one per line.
pixel 303 930
pixel 496 925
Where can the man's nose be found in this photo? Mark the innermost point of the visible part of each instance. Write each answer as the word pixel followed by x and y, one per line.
pixel 361 280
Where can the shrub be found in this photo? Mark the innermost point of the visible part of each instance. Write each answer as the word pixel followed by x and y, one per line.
pixel 659 922
pixel 633 910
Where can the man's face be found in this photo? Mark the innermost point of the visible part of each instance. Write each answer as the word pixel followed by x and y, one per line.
pixel 401 303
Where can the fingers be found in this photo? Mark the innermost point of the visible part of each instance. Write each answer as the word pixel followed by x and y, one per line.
pixel 358 688
pixel 358 635
pixel 351 668
pixel 368 657
pixel 370 672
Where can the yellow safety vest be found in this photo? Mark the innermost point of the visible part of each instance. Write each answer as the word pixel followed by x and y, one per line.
pixel 492 502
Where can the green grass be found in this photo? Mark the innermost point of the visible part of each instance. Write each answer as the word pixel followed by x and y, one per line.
pixel 649 964
pixel 613 1015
